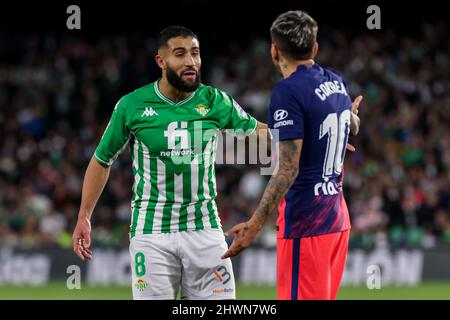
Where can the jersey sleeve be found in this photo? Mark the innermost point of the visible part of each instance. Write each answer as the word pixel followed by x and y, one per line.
pixel 286 115
pixel 115 137
pixel 233 117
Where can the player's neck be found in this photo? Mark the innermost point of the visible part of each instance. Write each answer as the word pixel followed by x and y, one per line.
pixel 170 92
pixel 289 67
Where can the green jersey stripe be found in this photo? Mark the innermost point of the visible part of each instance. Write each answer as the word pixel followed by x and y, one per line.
pixel 191 208
pixel 167 211
pixel 205 182
pixel 159 206
pixel 212 192
pixel 177 202
pixel 217 218
pixel 138 192
pixel 154 194
pixel 182 224
pixel 134 170
pixel 214 184
pixel 191 217
pixel 200 208
pixel 145 198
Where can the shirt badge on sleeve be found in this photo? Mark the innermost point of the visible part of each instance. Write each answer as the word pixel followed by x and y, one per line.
pixel 240 110
pixel 279 116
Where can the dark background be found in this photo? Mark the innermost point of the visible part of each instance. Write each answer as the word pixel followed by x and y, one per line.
pixel 230 18
pixel 217 23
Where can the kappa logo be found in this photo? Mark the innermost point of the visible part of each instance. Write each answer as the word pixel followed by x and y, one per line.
pixel 149 112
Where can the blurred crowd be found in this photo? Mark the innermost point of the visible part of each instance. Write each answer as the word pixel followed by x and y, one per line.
pixel 57 94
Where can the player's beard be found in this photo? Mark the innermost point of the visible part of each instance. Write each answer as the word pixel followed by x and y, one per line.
pixel 179 84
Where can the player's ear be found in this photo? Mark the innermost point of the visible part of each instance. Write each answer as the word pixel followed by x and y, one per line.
pixel 274 52
pixel 160 61
pixel 315 49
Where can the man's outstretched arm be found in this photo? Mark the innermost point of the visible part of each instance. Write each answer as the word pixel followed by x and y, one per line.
pixel 94 181
pixel 279 184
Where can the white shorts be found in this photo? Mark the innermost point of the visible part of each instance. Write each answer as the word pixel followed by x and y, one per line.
pixel 161 264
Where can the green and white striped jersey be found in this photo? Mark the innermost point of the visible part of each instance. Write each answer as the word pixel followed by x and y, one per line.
pixel 173 149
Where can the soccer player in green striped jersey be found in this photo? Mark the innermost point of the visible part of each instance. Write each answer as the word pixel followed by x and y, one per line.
pixel 171 128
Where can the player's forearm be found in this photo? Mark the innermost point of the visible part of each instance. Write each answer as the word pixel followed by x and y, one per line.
pixel 94 182
pixel 281 181
pixel 276 189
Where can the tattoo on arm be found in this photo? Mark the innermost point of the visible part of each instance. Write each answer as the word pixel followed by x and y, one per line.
pixel 279 183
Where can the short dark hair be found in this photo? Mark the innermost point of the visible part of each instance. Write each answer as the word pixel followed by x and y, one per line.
pixel 295 34
pixel 173 32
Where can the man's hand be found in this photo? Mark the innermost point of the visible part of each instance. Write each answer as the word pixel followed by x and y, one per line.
pixel 81 239
pixel 354 119
pixel 350 147
pixel 244 234
pixel 355 104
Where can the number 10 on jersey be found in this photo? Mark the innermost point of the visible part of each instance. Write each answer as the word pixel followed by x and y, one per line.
pixel 337 130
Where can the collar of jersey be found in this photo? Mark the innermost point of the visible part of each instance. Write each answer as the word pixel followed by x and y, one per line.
pixel 170 101
pixel 305 67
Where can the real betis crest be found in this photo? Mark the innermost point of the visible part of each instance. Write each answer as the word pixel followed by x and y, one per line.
pixel 202 110
pixel 141 284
